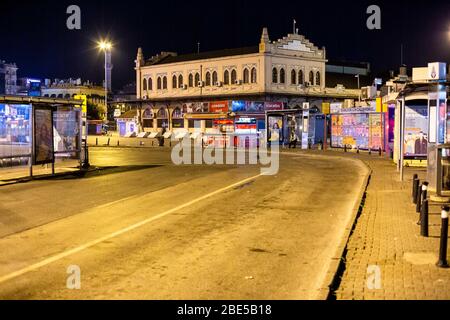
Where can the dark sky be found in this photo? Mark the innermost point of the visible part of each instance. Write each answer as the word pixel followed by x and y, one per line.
pixel 34 35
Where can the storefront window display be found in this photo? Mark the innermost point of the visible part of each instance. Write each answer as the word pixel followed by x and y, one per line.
pixel 416 128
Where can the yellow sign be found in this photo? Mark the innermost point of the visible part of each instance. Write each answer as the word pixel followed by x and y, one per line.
pixel 84 104
pixel 379 105
pixel 325 108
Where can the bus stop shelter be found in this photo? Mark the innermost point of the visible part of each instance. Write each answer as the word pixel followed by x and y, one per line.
pixel 39 131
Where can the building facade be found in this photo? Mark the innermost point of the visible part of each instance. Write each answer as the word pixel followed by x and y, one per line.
pixel 66 89
pixel 231 89
pixel 8 78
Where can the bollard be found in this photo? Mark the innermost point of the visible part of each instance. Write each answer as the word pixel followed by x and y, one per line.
pixel 345 147
pixel 424 219
pixel 380 151
pixel 415 184
pixel 419 199
pixel 357 149
pixel 442 263
pixel 118 143
pixel 96 141
pixel 370 151
pixel 109 140
pixel 416 191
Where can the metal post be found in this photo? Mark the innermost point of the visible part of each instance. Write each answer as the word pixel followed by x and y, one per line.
pixel 442 263
pixel 419 199
pixel 402 136
pixel 357 149
pixel 370 151
pixel 422 200
pixel 345 147
pixel 415 187
pixel 379 151
pixel 424 219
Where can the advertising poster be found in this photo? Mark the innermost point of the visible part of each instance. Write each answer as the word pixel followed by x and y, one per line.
pixel 196 107
pixel 66 131
pixel 43 140
pixel 376 131
pixel 255 107
pixel 416 128
pixel 275 127
pixel 238 106
pixel 361 130
pixel 15 130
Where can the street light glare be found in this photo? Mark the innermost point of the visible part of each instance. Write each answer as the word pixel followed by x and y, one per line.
pixel 105 45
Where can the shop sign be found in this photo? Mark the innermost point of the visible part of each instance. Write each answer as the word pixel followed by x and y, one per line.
pixel 219 107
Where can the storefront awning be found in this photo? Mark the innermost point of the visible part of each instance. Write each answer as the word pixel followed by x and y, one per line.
pixel 206 116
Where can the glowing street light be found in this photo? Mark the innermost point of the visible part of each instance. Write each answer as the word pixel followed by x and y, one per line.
pixel 106 47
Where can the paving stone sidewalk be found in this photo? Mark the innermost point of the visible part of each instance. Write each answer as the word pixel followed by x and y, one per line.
pixel 387 238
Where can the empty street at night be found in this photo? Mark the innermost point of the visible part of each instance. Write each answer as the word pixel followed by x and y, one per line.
pixel 154 230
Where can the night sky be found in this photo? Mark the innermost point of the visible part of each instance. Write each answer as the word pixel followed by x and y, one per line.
pixel 34 35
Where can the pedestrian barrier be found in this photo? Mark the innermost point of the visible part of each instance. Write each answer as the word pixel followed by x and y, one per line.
pixel 415 187
pixel 424 218
pixel 442 263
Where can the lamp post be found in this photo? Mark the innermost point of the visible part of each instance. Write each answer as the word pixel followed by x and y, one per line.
pixel 106 47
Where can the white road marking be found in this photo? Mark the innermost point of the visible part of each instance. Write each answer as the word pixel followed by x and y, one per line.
pixel 87 245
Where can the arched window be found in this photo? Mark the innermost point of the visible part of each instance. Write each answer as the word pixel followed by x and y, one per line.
pixel 144 85
pixel 274 75
pixel 159 85
pixel 162 114
pixel 180 81
pixel 293 77
pixel 208 79
pixel 197 79
pixel 174 82
pixel 318 78
pixel 147 118
pixel 282 76
pixel 311 78
pixel 191 80
pixel 214 78
pixel 164 82
pixel 233 76
pixel 254 75
pixel 246 76
pixel 177 114
pixel 150 84
pixel 301 79
pixel 226 77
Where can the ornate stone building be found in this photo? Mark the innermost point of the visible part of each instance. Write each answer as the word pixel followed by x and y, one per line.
pixel 173 89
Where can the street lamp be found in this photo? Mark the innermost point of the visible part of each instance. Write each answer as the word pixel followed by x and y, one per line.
pixel 106 47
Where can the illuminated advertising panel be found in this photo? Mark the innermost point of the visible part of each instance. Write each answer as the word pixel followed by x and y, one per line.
pixel 358 130
pixel 416 128
pixel 196 107
pixel 43 139
pixel 15 130
pixel 66 128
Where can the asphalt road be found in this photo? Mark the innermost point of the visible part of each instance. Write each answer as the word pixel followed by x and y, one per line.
pixel 147 229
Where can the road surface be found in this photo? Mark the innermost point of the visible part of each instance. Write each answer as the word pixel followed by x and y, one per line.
pixel 147 229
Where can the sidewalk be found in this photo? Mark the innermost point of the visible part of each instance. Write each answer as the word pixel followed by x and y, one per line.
pixel 14 174
pixel 387 236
